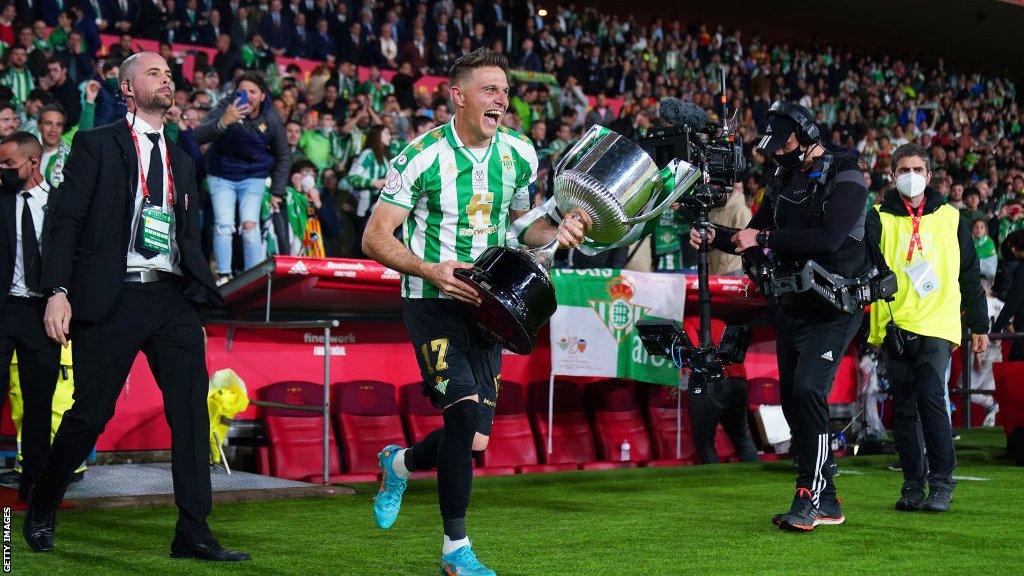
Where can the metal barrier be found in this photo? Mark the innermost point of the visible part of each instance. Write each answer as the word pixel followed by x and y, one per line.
pixel 324 409
pixel 965 372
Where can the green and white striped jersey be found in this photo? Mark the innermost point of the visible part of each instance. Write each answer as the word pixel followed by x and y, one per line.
pixel 459 198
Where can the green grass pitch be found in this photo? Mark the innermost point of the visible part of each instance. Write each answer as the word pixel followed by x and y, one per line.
pixel 689 520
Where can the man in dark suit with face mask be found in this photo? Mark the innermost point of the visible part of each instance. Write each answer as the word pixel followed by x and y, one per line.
pixel 23 199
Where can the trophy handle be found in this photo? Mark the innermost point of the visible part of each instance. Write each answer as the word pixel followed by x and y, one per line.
pixel 578 148
pixel 689 177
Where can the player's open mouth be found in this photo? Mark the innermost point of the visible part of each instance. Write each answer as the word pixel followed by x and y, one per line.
pixel 492 117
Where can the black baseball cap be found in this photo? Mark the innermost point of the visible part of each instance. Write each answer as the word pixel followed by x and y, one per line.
pixel 777 131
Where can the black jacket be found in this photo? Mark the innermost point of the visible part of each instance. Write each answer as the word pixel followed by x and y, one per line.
pixel 832 237
pixel 88 227
pixel 1014 307
pixel 8 242
pixel 972 297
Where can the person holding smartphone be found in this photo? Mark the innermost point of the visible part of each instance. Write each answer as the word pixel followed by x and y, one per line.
pixel 247 145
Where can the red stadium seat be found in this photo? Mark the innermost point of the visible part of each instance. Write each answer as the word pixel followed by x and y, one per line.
pixel 661 416
pixel 763 392
pixel 617 419
pixel 572 442
pixel 366 415
pixel 295 437
pixel 1010 394
pixel 955 375
pixel 512 442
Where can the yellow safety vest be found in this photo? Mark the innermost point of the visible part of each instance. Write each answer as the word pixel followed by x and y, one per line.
pixel 938 313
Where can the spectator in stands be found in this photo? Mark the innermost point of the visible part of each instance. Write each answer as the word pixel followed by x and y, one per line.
pixel 55 152
pixel 985 248
pixel 367 173
pixel 320 45
pixel 247 145
pixel 293 135
pixel 63 91
pixel 211 29
pixel 386 49
pixel 300 37
pixel 972 205
pixel 417 52
pixel 275 29
pixel 18 77
pixel 9 121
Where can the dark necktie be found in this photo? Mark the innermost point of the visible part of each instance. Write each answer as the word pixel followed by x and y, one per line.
pixel 30 248
pixel 155 183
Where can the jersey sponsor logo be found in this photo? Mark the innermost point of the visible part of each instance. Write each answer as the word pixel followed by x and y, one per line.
pixel 827 356
pixel 476 231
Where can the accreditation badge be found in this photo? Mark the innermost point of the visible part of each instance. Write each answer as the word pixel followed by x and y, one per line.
pixel 922 277
pixel 155 226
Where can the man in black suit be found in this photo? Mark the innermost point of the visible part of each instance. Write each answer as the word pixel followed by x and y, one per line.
pixel 122 253
pixel 23 198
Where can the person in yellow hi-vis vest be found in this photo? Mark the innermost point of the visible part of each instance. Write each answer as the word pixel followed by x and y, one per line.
pixel 924 241
pixel 62 400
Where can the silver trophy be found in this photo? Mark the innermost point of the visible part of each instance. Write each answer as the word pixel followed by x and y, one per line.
pixel 622 190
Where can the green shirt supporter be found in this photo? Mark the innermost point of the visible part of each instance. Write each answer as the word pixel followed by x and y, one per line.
pixel 317 147
pixel 667 239
pixel 364 171
pixel 459 194
pixel 20 82
pixel 377 93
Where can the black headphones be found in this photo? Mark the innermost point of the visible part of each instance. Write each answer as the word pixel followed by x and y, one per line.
pixel 808 132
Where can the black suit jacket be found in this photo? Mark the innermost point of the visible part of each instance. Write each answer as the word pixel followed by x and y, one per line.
pixel 88 227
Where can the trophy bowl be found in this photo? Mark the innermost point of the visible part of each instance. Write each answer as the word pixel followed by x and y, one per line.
pixel 611 179
pixel 518 297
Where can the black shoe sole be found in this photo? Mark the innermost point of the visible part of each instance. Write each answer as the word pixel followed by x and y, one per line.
pixel 790 527
pixel 906 508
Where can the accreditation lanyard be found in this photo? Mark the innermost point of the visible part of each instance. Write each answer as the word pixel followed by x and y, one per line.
pixel 915 237
pixel 142 173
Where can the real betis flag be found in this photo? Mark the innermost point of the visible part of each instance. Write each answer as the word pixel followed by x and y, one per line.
pixel 592 332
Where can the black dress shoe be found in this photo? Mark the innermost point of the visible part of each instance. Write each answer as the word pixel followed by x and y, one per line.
pixel 38 530
pixel 211 551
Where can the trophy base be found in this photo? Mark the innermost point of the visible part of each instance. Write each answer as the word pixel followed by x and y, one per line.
pixel 517 297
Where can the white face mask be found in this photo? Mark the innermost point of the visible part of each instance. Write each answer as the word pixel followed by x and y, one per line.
pixel 307 182
pixel 911 184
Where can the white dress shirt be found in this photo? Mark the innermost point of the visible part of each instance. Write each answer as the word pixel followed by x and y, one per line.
pixel 36 205
pixel 137 262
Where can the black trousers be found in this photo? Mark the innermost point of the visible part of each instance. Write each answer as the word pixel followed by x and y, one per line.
pixel 920 415
pixel 810 345
pixel 724 403
pixel 156 319
pixel 21 330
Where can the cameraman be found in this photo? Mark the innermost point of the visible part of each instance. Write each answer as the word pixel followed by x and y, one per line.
pixel 814 209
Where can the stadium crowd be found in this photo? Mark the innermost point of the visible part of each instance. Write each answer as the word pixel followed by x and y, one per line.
pixel 306 178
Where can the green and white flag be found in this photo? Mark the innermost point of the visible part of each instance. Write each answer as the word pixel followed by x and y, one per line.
pixel 592 332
